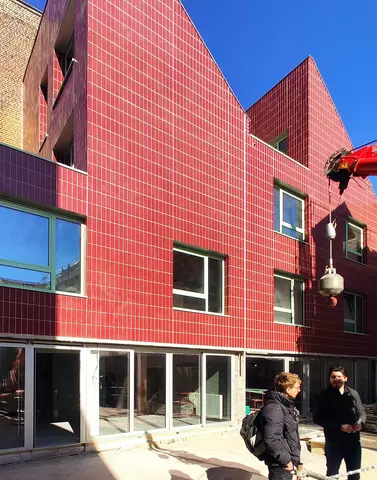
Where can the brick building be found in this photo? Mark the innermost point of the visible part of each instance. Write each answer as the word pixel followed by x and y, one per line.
pixel 171 243
pixel 19 24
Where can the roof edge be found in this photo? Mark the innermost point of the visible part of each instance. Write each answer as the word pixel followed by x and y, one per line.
pixel 306 59
pixel 210 54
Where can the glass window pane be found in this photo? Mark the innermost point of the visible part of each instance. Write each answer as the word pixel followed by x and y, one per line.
pixel 283 145
pixel 299 302
pixel 188 272
pixel 186 390
pixel 24 237
pixel 354 239
pixel 317 380
pixel 191 303
pixel 363 379
pixel 292 211
pixel 21 277
pixel 57 397
pixel 12 397
pixel 150 391
pixel 215 285
pixel 218 388
pixel 282 292
pixel 276 209
pixel 349 307
pixel 359 314
pixel 282 317
pixel 68 256
pixel 349 366
pixel 292 233
pixel 260 374
pixel 113 393
pixel 354 256
pixel 349 327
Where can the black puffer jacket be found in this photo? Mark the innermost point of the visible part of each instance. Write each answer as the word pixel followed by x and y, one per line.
pixel 278 424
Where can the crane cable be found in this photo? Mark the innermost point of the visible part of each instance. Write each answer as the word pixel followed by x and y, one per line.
pixel 330 221
pixel 365 145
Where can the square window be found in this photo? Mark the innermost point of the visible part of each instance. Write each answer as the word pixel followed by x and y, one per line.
pixel 288 213
pixel 354 242
pixel 288 300
pixel 45 254
pixel 198 282
pixel 353 313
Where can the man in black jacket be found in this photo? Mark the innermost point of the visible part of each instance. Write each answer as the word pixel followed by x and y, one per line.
pixel 278 425
pixel 341 414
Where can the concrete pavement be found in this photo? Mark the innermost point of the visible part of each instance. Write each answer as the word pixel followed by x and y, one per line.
pixel 216 457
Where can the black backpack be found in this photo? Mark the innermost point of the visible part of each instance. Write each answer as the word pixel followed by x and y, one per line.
pixel 252 436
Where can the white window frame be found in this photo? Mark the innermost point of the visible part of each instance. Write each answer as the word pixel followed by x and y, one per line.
pixel 354 252
pixel 282 223
pixel 204 295
pixel 292 309
pixel 353 321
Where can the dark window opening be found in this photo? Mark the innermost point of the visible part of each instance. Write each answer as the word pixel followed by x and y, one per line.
pixel 64 148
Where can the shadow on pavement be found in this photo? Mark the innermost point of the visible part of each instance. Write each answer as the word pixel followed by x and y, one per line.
pixel 216 469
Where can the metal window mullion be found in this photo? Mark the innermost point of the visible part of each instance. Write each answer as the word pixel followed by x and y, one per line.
pixel 169 391
pixel 206 282
pixel 29 417
pixel 25 266
pixel 292 301
pixel 281 211
pixel 52 251
pixel 187 293
pixel 83 395
pixel 222 286
pixel 131 392
pixel 83 241
pixel 203 388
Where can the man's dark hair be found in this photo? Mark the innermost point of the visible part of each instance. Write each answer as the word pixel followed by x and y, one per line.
pixel 337 369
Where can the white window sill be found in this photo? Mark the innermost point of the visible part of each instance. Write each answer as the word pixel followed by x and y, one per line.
pixel 292 325
pixel 199 311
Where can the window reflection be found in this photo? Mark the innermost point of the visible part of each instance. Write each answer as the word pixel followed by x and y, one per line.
pixel 188 272
pixel 150 391
pixel 68 258
pixel 113 393
pixel 22 277
pixel 24 237
pixel 186 390
pixel 218 388
pixel 12 397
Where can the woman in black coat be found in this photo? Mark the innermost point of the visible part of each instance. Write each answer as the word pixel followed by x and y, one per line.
pixel 278 426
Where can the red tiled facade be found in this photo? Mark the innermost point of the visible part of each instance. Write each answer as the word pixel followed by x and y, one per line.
pixel 161 137
pixel 164 154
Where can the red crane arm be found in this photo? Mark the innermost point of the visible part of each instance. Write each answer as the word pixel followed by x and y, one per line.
pixel 359 163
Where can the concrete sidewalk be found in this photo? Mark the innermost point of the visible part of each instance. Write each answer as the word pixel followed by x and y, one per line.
pixel 216 457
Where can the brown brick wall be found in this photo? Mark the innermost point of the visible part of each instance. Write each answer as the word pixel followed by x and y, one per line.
pixel 18 27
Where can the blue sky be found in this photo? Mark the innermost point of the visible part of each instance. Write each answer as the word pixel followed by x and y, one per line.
pixel 256 43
